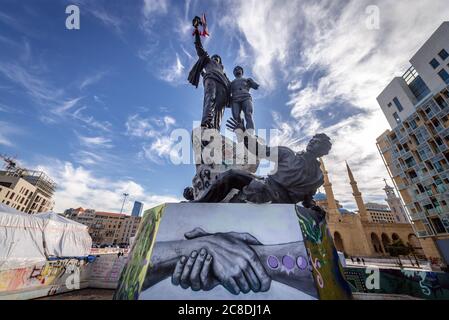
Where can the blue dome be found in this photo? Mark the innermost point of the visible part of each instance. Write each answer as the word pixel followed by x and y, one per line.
pixel 320 197
pixel 345 211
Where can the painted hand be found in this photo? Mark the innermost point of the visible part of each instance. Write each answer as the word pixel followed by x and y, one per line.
pixel 233 263
pixel 195 272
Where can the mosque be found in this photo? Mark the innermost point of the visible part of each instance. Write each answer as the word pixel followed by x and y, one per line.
pixel 368 231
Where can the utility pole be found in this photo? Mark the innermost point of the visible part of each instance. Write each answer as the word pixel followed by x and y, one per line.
pixel 125 196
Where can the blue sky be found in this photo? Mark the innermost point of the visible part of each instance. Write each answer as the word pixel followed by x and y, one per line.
pixel 95 107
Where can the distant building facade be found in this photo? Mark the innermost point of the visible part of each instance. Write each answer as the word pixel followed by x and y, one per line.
pixel 27 191
pixel 368 232
pixel 416 149
pixel 137 209
pixel 106 228
pixel 379 213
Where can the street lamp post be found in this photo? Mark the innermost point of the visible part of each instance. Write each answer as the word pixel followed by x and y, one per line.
pixel 125 195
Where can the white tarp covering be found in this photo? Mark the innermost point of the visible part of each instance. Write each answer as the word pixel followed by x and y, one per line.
pixel 29 239
pixel 64 237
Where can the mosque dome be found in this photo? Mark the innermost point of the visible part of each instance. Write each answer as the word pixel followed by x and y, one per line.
pixel 345 211
pixel 320 197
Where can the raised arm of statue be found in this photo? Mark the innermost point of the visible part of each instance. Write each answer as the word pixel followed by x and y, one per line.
pixel 198 45
pixel 253 84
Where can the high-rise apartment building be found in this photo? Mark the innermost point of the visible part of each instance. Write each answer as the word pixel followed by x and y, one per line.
pixel 137 209
pixel 416 149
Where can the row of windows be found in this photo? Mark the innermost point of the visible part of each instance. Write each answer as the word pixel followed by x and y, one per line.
pixel 14 206
pixel 397 103
pixel 443 55
pixel 444 75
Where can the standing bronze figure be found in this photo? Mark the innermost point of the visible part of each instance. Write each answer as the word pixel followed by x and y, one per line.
pixel 216 83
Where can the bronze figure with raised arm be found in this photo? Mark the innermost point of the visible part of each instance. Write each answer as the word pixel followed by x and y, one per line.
pixel 216 83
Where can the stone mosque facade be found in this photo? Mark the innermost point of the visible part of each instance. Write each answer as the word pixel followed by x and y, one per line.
pixel 367 232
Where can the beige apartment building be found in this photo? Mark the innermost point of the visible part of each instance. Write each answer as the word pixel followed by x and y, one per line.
pixel 27 191
pixel 106 228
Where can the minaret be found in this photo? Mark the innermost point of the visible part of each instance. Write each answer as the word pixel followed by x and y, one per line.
pixel 395 204
pixel 357 195
pixel 333 212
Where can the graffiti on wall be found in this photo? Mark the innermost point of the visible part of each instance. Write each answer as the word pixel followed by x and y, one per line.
pixel 229 252
pixel 327 269
pixel 105 271
pixel 415 283
pixel 65 274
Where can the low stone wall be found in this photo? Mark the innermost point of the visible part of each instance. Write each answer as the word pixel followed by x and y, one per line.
pixel 411 282
pixel 60 276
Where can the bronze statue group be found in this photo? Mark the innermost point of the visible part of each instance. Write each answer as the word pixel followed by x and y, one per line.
pixel 298 175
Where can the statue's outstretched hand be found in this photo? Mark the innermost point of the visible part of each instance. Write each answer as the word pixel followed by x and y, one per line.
pixel 235 125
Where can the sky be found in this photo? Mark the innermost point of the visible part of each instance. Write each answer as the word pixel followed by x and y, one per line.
pixel 94 108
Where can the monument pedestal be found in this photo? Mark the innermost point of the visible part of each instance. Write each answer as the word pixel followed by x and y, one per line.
pixel 285 249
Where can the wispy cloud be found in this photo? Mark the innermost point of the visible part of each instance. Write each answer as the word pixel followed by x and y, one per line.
pixel 93 79
pixel 101 10
pixel 174 74
pixel 90 120
pixel 38 89
pixel 95 142
pixel 66 106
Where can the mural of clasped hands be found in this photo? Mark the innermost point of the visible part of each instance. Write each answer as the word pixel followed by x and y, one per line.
pixel 237 261
pixel 222 258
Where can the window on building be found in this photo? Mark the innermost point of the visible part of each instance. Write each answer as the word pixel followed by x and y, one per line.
pixel 444 75
pixel 434 63
pixel 398 104
pixel 443 54
pixel 438 225
pixel 396 117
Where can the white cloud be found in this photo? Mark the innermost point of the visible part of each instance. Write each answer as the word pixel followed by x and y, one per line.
pixel 66 106
pixel 88 158
pixel 90 120
pixel 151 7
pixel 174 74
pixel 330 58
pixel 95 142
pixel 155 135
pixel 80 187
pixel 270 29
pixel 91 80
